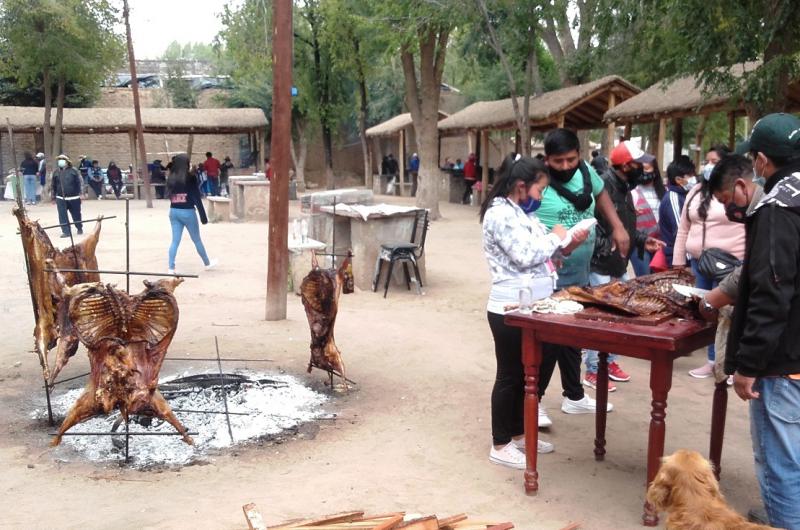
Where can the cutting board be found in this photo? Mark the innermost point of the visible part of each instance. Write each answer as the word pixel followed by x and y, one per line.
pixel 594 313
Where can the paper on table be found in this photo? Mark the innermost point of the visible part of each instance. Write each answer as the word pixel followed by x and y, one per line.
pixel 585 224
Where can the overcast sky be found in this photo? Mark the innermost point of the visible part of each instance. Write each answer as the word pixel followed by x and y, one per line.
pixel 156 23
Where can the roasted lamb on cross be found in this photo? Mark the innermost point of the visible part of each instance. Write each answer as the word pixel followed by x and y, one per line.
pixel 646 295
pixel 45 290
pixel 127 338
pixel 320 292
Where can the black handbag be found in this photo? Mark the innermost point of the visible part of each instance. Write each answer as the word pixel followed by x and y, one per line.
pixel 715 263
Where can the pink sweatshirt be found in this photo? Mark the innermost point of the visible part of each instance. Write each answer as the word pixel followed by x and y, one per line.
pixel 720 232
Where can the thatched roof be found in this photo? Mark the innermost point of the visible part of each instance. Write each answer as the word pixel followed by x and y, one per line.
pixel 121 120
pixel 683 97
pixel 582 106
pixel 393 125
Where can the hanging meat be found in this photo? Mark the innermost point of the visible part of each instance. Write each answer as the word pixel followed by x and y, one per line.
pixel 646 295
pixel 320 292
pixel 45 291
pixel 127 337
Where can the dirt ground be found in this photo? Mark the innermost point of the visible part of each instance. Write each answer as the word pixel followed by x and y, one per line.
pixel 413 436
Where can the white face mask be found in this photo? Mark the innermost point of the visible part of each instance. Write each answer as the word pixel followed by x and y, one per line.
pixel 691 182
pixel 707 169
pixel 62 163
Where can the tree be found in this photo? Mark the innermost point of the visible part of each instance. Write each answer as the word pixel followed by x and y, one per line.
pixel 422 32
pixel 709 38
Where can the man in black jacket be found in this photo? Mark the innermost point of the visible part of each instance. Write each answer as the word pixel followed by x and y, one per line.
pixel 608 263
pixel 67 185
pixel 763 352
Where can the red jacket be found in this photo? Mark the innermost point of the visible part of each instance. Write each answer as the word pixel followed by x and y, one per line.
pixel 469 169
pixel 211 166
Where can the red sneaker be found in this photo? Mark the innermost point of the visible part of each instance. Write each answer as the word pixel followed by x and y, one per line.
pixel 617 374
pixel 590 380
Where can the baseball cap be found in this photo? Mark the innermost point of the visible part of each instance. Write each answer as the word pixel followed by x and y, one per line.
pixel 628 151
pixel 774 135
pixel 39 155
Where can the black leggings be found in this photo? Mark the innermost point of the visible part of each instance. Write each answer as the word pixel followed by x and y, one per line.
pixel 508 393
pixel 468 190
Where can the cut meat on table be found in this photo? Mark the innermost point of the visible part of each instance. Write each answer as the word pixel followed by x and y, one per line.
pixel 320 292
pixel 45 290
pixel 127 338
pixel 646 295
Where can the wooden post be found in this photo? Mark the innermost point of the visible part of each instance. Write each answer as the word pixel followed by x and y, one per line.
pixel 137 111
pixel 280 160
pixel 470 142
pixel 611 128
pixel 662 134
pixel 698 139
pixel 189 147
pixel 628 129
pixel 134 164
pixel 484 164
pixel 517 142
pixel 401 161
pixel 260 153
pixel 677 138
pixel 731 131
pixel 560 121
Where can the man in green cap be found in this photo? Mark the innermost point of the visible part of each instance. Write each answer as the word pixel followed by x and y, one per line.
pixel 763 352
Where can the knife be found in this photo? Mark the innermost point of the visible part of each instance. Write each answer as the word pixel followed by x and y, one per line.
pixel 685 290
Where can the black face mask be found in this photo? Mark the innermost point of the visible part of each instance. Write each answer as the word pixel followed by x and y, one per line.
pixel 562 175
pixel 634 177
pixel 648 177
pixel 735 213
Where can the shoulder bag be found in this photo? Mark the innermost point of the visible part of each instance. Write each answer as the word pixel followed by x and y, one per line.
pixel 715 263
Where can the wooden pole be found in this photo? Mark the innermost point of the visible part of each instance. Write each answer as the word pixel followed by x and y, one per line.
pixel 280 159
pixel 611 128
pixel 484 164
pixel 17 176
pixel 401 160
pixel 134 164
pixel 189 147
pixel 662 137
pixel 731 131
pixel 142 166
pixel 628 130
pixel 560 121
pixel 677 138
pixel 259 139
pixel 698 139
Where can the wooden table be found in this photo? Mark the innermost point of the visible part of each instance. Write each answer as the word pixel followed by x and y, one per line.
pixel 660 345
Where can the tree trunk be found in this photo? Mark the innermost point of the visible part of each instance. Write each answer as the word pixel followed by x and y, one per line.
pixel 57 146
pixel 49 155
pixel 422 100
pixel 299 159
pixel 323 85
pixel 363 111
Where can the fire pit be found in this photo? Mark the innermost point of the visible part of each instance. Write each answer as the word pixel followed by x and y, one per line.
pixel 258 405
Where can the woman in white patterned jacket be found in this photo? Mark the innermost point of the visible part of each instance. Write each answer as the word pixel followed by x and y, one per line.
pixel 519 250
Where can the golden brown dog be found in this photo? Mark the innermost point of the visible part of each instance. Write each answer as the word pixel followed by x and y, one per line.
pixel 685 488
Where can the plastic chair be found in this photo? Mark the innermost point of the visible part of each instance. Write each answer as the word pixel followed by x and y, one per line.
pixel 405 253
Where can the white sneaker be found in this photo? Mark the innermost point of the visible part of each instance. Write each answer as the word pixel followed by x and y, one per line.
pixel 170 271
pixel 212 263
pixel 544 419
pixel 542 448
pixel 586 405
pixel 508 456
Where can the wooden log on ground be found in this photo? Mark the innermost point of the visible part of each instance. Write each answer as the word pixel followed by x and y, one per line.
pixel 253 516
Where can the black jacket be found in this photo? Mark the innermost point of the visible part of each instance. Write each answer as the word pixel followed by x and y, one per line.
pixel 67 182
pixel 604 260
pixel 765 336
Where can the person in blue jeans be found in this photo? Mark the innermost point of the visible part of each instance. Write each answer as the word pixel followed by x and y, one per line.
pixel 28 168
pixel 184 196
pixel 763 351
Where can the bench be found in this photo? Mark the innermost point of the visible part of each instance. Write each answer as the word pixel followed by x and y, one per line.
pixel 219 209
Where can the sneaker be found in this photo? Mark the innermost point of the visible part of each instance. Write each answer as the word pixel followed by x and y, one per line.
pixel 542 448
pixel 170 271
pixel 707 370
pixel 212 263
pixel 508 456
pixel 617 374
pixel 590 380
pixel 64 235
pixel 586 405
pixel 544 419
pixel 80 232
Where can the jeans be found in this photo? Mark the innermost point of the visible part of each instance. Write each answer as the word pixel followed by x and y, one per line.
pixel 641 267
pixel 213 185
pixel 703 282
pixel 74 208
pixel 30 188
pixel 592 358
pixel 180 218
pixel 775 431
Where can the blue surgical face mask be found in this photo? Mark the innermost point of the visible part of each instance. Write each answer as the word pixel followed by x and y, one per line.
pixel 530 205
pixel 691 182
pixel 707 169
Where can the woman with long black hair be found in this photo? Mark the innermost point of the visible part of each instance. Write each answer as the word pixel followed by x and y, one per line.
pixel 184 197
pixel 647 199
pixel 518 249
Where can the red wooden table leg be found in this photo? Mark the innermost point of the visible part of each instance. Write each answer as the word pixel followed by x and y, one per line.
pixel 719 410
pixel 660 384
pixel 602 406
pixel 531 360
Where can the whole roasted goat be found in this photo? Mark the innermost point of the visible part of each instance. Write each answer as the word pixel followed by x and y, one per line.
pixel 127 337
pixel 646 295
pixel 320 292
pixel 45 290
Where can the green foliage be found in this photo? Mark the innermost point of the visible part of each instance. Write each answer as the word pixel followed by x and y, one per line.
pixel 13 93
pixel 180 90
pixel 191 51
